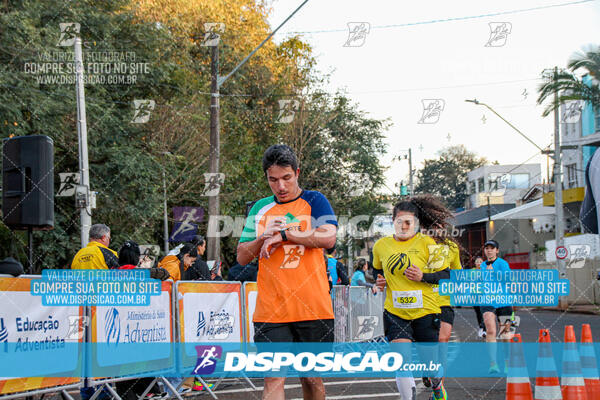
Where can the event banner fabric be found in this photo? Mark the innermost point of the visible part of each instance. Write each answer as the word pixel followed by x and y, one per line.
pixel 45 338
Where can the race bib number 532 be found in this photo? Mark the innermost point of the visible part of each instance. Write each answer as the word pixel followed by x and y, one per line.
pixel 407 299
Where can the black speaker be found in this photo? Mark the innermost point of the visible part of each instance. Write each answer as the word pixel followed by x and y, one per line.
pixel 28 182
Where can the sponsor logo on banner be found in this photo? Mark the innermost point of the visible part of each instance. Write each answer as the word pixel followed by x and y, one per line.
pixel 207 359
pixel 219 325
pixel 366 326
pixel 112 326
pixel 3 335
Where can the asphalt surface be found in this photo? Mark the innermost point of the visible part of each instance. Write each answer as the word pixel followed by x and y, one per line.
pixel 465 330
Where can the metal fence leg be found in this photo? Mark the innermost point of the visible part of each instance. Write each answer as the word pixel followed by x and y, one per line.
pixel 65 395
pixel 209 390
pixel 173 389
pixel 112 391
pixel 143 395
pixel 250 382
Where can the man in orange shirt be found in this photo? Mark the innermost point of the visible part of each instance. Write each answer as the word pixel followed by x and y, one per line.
pixel 288 232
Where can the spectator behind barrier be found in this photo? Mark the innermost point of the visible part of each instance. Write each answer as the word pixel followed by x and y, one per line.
pixel 96 255
pixel 358 279
pixel 243 273
pixel 199 270
pixel 11 266
pixel 177 265
pixel 129 258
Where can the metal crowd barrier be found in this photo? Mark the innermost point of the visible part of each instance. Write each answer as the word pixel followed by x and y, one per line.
pixel 199 312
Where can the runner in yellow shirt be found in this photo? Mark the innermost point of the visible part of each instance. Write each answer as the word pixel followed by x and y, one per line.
pixel 401 262
pixel 443 255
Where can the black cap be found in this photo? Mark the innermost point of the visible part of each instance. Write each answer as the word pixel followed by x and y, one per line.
pixel 492 243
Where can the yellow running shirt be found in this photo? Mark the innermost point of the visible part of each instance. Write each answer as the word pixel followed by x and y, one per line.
pixel 442 256
pixel 405 298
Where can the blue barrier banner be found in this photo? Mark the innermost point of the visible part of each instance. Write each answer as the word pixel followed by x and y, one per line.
pixel 48 358
pixel 95 287
pixel 526 288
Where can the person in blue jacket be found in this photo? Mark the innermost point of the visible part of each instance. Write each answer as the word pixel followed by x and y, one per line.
pixel 358 278
pixel 491 313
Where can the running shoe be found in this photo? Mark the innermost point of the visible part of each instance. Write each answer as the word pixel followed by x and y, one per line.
pixel 199 387
pixel 439 393
pixel 494 369
pixel 481 333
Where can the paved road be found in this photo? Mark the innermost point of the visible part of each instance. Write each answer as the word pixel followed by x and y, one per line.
pixel 458 388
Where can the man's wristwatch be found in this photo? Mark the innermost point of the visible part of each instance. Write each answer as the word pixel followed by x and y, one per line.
pixel 283 235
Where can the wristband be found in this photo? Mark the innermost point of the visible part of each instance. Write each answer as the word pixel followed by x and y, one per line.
pixel 283 235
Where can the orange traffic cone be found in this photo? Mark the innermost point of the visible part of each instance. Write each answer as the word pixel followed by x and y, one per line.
pixel 518 386
pixel 572 385
pixel 547 386
pixel 588 363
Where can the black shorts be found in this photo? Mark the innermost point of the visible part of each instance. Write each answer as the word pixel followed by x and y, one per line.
pixel 424 329
pixel 318 330
pixel 447 315
pixel 500 311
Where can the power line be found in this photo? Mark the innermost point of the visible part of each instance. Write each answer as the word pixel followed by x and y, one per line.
pixel 435 21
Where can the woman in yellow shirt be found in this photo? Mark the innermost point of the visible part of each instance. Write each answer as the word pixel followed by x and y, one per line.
pixel 402 263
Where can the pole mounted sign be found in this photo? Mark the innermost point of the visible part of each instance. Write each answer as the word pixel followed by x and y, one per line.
pixel 561 252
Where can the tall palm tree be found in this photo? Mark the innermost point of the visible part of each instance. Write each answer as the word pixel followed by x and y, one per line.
pixel 570 86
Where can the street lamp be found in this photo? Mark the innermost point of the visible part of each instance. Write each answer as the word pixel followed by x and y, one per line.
pixel 475 101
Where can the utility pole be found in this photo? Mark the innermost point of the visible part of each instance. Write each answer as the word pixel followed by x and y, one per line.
pixel 84 169
pixel 410 172
pixel 165 216
pixel 213 243
pixel 559 229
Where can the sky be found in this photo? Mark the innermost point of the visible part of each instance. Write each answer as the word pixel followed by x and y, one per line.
pixel 400 64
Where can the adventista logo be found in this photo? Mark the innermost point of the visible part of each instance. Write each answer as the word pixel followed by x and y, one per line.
pixel 201 324
pixel 207 359
pixel 3 335
pixel 112 326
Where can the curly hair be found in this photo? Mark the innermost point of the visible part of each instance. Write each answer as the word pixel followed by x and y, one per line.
pixel 432 214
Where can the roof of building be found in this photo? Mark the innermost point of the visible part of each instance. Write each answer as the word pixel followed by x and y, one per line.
pixel 473 215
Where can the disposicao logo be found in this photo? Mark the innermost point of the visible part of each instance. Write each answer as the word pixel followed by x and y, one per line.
pixel 207 359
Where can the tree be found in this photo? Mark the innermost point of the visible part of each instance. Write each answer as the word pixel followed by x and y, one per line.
pixel 570 86
pixel 446 176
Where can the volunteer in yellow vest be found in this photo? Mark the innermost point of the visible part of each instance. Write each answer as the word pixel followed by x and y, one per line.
pixel 96 255
pixel 288 232
pixel 411 309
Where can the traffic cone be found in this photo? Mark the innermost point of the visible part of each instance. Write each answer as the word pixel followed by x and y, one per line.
pixel 588 363
pixel 518 386
pixel 572 384
pixel 547 386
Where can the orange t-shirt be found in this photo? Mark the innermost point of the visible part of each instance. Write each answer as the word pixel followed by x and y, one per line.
pixel 292 283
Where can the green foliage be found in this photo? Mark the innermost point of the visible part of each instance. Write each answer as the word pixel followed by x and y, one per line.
pixel 569 86
pixel 332 137
pixel 446 176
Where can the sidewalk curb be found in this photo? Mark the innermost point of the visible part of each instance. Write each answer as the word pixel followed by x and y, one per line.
pixel 588 310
